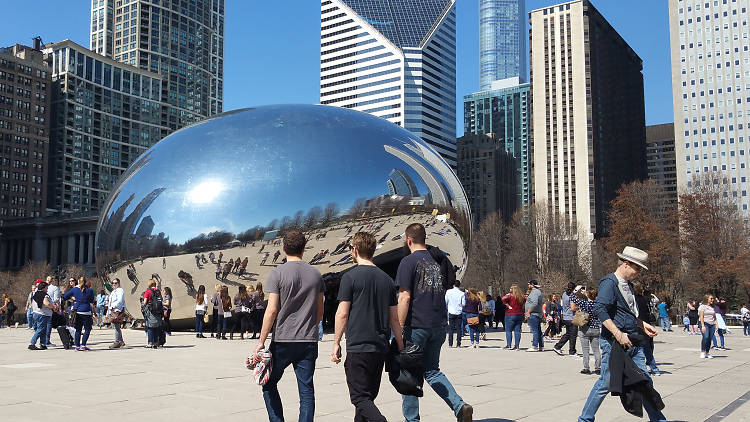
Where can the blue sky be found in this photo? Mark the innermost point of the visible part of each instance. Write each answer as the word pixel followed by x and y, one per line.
pixel 272 49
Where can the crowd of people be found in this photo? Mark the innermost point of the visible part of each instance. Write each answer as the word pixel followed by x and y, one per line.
pixel 425 305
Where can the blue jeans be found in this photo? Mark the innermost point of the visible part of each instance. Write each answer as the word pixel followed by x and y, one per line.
pixel 513 325
pixel 666 324
pixel 302 357
pixel 535 325
pixel 601 387
pixel 30 318
pixel 707 337
pixel 648 352
pixel 151 336
pixel 430 340
pixel 40 329
pixel 199 323
pixel 746 328
pixel 720 334
pixel 473 329
pixel 83 324
pixel 454 326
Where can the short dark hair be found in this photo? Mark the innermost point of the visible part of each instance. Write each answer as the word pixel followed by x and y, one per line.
pixel 42 285
pixel 294 243
pixel 457 283
pixel 417 233
pixel 365 244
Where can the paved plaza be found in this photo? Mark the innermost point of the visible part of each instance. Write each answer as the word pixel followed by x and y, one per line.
pixel 205 379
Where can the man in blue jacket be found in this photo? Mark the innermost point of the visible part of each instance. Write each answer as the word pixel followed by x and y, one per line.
pixel 616 308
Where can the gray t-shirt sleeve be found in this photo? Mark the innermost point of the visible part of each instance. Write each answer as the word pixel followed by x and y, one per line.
pixel 272 282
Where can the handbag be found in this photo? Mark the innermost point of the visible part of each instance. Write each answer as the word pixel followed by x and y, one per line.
pixel 205 318
pixel 115 317
pixel 472 320
pixel 227 314
pixel 581 318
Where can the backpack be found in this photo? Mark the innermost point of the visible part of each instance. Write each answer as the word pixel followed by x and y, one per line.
pixel 485 309
pixel 746 317
pixel 156 306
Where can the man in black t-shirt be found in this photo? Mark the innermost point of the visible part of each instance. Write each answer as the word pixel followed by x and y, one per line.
pixel 422 312
pixel 367 313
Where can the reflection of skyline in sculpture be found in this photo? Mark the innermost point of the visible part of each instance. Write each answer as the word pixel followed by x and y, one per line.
pixel 116 232
pixel 399 183
pixel 438 195
pixel 146 227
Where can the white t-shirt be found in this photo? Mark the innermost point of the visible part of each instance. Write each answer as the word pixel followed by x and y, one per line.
pixel 202 307
pixel 744 310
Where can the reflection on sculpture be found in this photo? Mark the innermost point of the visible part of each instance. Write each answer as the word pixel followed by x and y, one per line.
pixel 209 203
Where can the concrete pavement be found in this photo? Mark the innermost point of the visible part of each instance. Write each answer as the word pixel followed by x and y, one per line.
pixel 202 379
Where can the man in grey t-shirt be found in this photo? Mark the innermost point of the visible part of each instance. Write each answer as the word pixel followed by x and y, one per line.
pixel 295 308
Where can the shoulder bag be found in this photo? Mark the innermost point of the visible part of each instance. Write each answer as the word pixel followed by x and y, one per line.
pixel 581 318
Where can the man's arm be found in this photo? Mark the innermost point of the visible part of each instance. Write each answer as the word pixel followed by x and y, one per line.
pixel 342 316
pixel 272 309
pixel 404 297
pixel 319 316
pixel 398 332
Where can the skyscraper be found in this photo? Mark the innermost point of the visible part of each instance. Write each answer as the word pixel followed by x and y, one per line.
pixel 24 131
pixel 395 59
pixel 589 121
pixel 503 113
pixel 710 90
pixel 183 41
pixel 502 41
pixel 105 114
pixel 399 183
pixel 662 165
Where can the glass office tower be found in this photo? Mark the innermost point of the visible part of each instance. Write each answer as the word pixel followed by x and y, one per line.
pixel 502 41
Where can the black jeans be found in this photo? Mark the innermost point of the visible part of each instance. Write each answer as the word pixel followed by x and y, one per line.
pixel 363 373
pixel 571 333
pixel 167 326
pixel 454 326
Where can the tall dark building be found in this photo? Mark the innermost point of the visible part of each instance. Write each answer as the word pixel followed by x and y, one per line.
pixel 589 131
pixel 488 174
pixel 25 82
pixel 183 41
pixel 662 162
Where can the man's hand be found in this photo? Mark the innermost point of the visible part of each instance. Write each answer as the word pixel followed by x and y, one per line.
pixel 624 340
pixel 261 345
pixel 336 353
pixel 649 330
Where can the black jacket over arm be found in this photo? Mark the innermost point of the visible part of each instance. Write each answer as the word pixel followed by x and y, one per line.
pixel 629 382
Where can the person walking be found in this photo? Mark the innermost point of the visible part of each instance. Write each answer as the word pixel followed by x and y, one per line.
pixel 533 313
pixel 294 310
pixel 589 333
pixel 454 301
pixel 721 325
pixel 116 313
pixel 8 308
pixel 42 314
pixel 29 307
pixel 745 316
pixel 368 314
pixel 83 309
pixel 421 311
pixel 514 302
pixel 642 301
pixel 499 312
pixel 152 306
pixel 471 315
pixel 616 308
pixel 707 322
pixel 485 314
pixel 571 330
pixel 491 319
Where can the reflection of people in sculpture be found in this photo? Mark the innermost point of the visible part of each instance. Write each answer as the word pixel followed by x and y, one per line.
pixel 265 258
pixel 203 258
pixel 187 280
pixel 227 269
pixel 198 261
pixel 276 256
pixel 218 270
pixel 156 277
pixel 131 275
pixel 236 267
pixel 164 263
pixel 212 257
pixel 221 255
pixel 263 246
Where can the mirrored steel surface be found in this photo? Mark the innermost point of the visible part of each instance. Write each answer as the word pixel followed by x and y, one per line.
pixel 227 188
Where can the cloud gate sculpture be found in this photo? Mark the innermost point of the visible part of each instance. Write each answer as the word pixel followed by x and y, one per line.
pixel 226 189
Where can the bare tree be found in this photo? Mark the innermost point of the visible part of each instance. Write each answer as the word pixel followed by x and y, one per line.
pixel 330 212
pixel 314 215
pixel 489 249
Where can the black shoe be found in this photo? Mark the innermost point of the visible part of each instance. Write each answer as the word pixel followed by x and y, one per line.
pixel 42 347
pixel 201 336
pixel 224 338
pixel 212 335
pixel 598 371
pixel 585 372
pixel 465 414
pixel 33 347
pixel 197 336
pixel 558 351
pixel 154 347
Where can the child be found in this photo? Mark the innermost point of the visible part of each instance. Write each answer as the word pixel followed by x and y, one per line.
pixel 686 323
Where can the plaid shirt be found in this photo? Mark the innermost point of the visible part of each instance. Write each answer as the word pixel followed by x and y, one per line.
pixel 588 307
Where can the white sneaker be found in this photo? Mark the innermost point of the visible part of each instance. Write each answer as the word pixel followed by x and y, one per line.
pixel 709 357
pixel 703 355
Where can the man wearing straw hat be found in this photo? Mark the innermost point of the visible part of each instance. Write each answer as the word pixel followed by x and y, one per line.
pixel 616 308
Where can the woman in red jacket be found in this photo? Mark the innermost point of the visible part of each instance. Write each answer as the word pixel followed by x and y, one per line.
pixel 513 302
